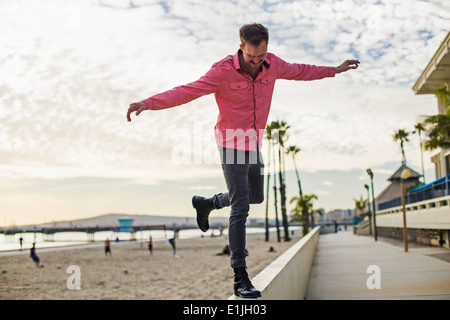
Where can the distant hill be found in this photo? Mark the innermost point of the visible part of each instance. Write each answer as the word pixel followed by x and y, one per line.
pixel 111 219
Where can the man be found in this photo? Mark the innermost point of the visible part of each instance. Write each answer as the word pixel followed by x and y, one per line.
pixel 34 256
pixel 108 248
pixel 150 245
pixel 243 84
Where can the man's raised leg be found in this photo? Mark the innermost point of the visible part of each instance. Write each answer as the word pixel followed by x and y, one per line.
pixel 204 206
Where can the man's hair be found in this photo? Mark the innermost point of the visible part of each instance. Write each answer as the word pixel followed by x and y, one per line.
pixel 253 33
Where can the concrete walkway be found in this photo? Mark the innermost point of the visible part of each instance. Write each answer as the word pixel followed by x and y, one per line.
pixel 340 270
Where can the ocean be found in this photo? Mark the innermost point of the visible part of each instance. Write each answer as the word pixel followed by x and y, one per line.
pixel 62 239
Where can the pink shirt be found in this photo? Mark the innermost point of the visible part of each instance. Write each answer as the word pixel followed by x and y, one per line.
pixel 244 102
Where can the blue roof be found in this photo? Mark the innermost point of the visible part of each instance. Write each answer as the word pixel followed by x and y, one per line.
pixel 430 184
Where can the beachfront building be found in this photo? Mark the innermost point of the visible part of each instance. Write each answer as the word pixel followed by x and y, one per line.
pixel 391 196
pixel 427 207
pixel 434 76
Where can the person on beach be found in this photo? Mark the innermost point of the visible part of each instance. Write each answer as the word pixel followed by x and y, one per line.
pixel 172 243
pixel 34 256
pixel 150 245
pixel 108 248
pixel 243 85
pixel 225 251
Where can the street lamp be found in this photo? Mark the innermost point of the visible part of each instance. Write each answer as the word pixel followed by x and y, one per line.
pixel 368 209
pixel 406 173
pixel 370 173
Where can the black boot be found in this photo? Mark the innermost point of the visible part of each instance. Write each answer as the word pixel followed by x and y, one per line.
pixel 204 207
pixel 242 285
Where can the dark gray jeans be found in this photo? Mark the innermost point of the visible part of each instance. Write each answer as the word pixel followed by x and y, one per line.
pixel 244 176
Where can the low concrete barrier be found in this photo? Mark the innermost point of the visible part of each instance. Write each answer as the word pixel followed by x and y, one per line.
pixel 287 277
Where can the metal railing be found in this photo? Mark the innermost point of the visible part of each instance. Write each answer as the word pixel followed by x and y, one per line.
pixel 436 189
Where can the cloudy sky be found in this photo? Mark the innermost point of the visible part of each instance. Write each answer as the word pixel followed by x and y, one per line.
pixel 69 70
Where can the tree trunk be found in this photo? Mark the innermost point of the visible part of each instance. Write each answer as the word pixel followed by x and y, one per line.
pixel 283 208
pixel 267 197
pixel 298 180
pixel 283 198
pixel 305 221
pixel 277 223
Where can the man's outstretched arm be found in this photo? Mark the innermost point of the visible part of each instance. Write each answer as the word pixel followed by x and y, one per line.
pixel 347 65
pixel 207 84
pixel 305 72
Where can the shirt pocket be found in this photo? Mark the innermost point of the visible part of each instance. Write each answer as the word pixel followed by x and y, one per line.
pixel 267 85
pixel 239 92
pixel 241 85
pixel 267 81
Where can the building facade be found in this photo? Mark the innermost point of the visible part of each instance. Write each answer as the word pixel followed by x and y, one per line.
pixel 437 75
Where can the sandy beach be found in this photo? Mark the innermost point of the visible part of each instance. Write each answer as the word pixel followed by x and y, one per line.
pixel 196 273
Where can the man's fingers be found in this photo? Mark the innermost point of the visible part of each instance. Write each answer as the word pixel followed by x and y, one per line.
pixel 137 107
pixel 352 64
pixel 347 65
pixel 139 110
pixel 131 109
pixel 129 113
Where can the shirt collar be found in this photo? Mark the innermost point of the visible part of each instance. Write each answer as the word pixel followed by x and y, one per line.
pixel 266 62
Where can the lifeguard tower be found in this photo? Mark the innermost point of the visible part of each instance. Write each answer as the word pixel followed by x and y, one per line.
pixel 126 225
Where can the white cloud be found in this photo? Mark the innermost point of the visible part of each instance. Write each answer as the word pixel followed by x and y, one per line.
pixel 321 192
pixel 68 71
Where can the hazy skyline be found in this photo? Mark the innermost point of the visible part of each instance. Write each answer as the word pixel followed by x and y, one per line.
pixel 69 70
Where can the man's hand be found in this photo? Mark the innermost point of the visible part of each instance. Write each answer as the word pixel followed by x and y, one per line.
pixel 347 65
pixel 136 106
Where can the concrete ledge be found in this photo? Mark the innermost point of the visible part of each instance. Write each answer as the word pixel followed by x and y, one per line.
pixel 286 278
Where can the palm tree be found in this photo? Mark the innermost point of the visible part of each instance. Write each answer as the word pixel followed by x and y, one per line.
pixel 273 134
pixel 319 211
pixel 282 137
pixel 438 130
pixel 360 204
pixel 269 138
pixel 303 207
pixel 402 136
pixel 419 128
pixel 438 126
pixel 293 150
